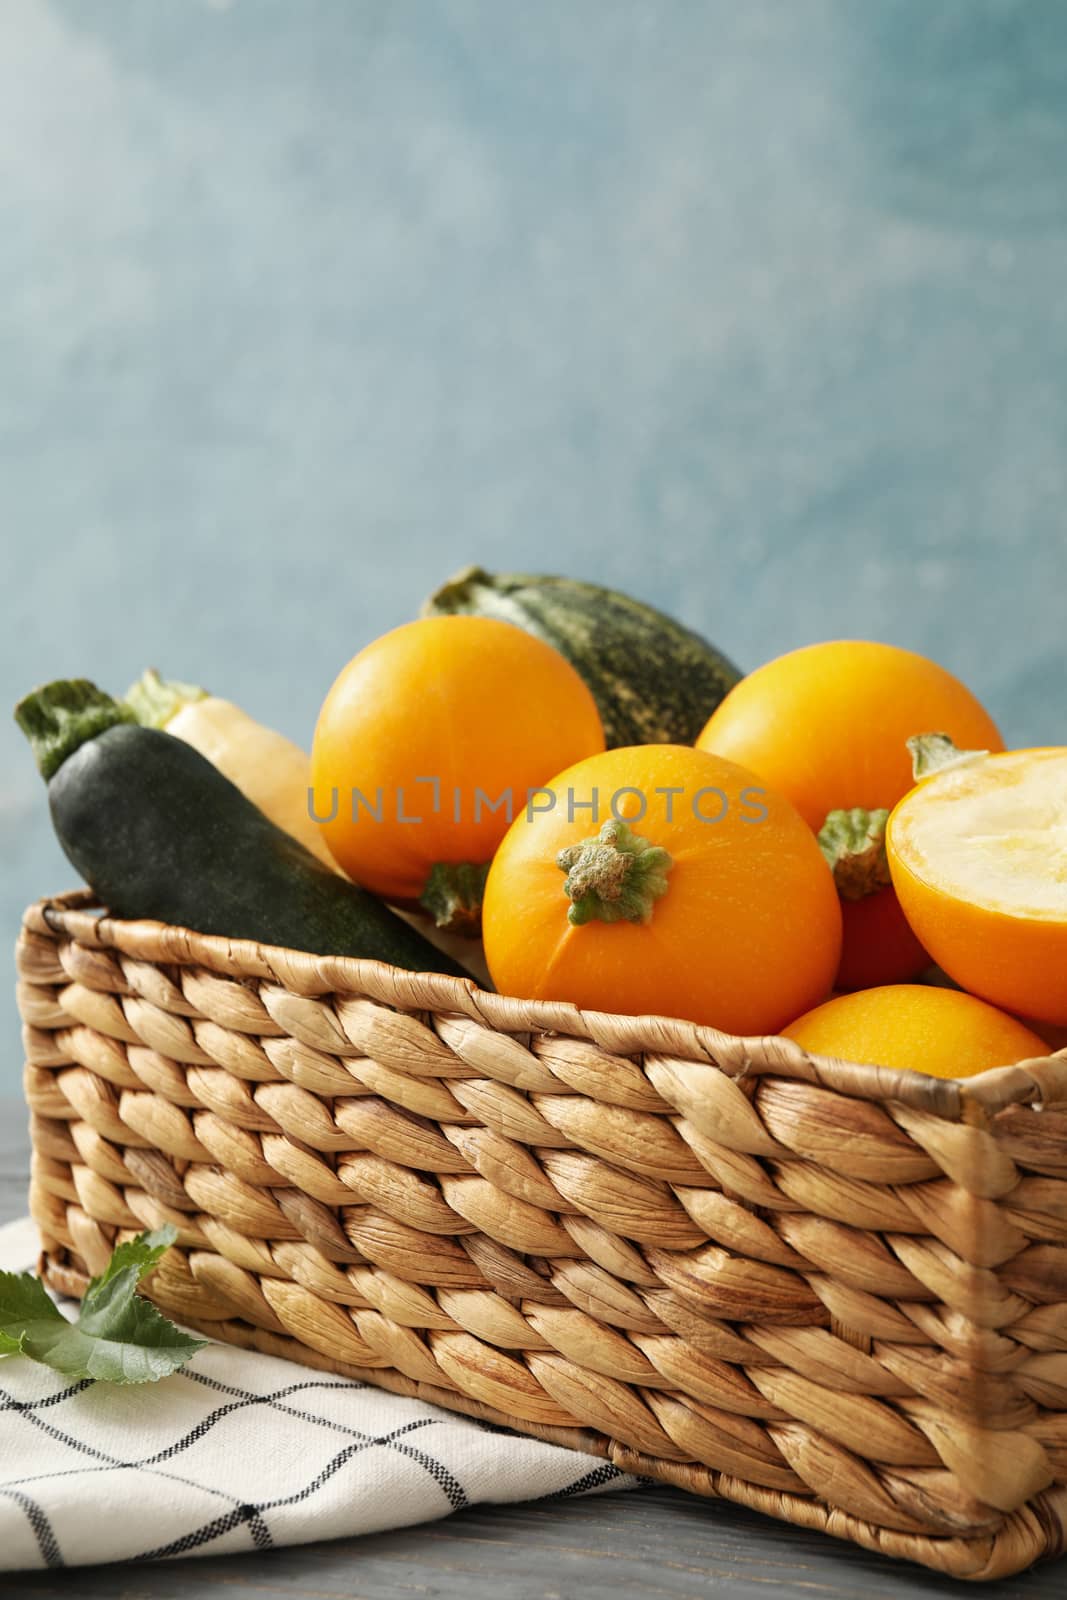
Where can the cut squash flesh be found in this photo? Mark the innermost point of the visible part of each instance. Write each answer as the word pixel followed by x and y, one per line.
pixel 992 832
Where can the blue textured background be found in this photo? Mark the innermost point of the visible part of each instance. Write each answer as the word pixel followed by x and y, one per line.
pixel 758 310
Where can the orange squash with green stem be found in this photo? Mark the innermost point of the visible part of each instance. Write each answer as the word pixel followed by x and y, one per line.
pixel 427 744
pixel 660 879
pixel 828 726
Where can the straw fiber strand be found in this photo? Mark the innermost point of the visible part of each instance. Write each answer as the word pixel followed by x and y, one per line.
pixel 834 1293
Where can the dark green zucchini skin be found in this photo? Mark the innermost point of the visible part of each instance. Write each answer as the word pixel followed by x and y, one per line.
pixel 654 681
pixel 157 831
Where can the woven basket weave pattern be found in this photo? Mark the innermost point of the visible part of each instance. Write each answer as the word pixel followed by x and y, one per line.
pixel 835 1293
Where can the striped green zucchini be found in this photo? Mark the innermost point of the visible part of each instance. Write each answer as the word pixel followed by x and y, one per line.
pixel 654 681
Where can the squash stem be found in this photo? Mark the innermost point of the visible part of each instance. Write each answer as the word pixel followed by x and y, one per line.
pixel 453 896
pixel 853 843
pixel 935 752
pixel 60 717
pixel 154 701
pixel 456 596
pixel 615 876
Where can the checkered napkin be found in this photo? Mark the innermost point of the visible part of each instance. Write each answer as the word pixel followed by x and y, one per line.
pixel 240 1451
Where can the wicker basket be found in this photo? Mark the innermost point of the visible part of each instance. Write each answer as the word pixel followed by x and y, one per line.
pixel 835 1293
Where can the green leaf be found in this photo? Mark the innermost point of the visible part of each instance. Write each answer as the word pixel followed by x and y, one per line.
pixel 119 1336
pixel 26 1313
pixel 130 1262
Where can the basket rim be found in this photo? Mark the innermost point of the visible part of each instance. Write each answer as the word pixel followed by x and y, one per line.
pixel 78 914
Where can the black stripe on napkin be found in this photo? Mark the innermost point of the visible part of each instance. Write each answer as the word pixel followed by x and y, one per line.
pixel 43 1531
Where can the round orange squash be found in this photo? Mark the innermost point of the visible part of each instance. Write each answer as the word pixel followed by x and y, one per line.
pixel 426 747
pixel 660 879
pixel 827 726
pixel 877 942
pixel 912 1025
pixel 978 855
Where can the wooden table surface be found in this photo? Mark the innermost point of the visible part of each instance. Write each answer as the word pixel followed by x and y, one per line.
pixel 658 1544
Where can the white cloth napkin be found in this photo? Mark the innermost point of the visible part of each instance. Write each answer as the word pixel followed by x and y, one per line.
pixel 239 1451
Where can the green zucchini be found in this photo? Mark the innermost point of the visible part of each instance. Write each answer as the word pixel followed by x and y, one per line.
pixel 654 681
pixel 157 831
